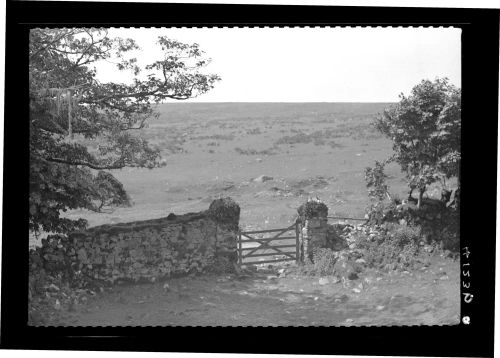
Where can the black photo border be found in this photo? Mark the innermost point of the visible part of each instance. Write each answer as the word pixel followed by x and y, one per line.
pixel 480 41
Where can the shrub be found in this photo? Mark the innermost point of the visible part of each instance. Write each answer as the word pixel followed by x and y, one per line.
pixel 324 261
pixel 396 247
pixel 322 265
pixel 439 224
pixel 375 181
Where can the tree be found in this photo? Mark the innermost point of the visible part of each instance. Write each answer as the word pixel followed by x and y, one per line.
pixel 425 130
pixel 80 127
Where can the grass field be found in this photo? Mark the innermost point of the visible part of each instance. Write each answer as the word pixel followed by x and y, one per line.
pixel 216 149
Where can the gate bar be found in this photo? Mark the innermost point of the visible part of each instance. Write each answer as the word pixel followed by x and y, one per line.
pixel 266 261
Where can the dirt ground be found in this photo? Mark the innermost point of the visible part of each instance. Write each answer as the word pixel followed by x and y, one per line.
pixel 425 297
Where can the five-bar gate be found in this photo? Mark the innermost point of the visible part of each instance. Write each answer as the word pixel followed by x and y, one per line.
pixel 247 250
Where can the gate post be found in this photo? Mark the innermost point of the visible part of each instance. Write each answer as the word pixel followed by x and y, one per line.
pixel 240 251
pixel 297 242
pixel 313 216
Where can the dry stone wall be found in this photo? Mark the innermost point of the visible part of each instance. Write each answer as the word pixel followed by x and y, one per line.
pixel 144 250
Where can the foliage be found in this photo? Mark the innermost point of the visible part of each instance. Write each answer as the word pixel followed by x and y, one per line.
pixel 313 208
pixel 225 210
pixel 324 261
pixel 425 130
pixel 70 108
pixel 396 247
pixel 375 181
pixel 110 191
pixel 439 223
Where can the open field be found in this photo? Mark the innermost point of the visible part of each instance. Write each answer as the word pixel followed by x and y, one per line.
pixel 214 149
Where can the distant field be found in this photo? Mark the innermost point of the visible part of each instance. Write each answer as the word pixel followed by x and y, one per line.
pixel 216 149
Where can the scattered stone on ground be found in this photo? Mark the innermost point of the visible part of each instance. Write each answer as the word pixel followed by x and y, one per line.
pixel 324 281
pixel 262 179
pixel 258 302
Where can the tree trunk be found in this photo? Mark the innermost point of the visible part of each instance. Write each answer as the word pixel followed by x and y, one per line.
pixel 70 129
pixel 410 193
pixel 420 197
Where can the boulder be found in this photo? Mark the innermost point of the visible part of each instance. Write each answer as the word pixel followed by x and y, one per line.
pixel 324 281
pixel 262 179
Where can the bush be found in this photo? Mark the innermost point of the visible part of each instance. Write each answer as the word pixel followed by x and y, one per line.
pixel 439 224
pixel 395 247
pixel 323 263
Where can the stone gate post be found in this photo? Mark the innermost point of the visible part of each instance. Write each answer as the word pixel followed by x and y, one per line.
pixel 313 228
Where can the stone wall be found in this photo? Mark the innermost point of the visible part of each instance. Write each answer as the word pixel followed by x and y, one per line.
pixel 144 250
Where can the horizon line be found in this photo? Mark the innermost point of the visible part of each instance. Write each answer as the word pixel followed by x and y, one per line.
pixel 189 102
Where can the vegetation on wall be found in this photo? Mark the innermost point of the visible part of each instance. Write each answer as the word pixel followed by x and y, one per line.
pixel 311 209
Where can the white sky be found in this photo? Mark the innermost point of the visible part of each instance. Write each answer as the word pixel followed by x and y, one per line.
pixel 310 64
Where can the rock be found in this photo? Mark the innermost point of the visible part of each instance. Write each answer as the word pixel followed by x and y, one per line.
pixel 361 261
pixel 57 305
pixel 335 279
pixel 258 160
pixel 343 298
pixel 352 275
pixel 166 287
pixel 445 277
pixel 252 268
pixel 379 308
pixel 53 288
pixel 324 281
pixel 262 179
pixel 349 320
pixel 357 290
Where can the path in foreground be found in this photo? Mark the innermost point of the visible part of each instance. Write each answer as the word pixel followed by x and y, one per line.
pixel 428 297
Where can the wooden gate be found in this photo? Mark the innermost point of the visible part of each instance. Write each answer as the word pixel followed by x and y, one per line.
pixel 265 247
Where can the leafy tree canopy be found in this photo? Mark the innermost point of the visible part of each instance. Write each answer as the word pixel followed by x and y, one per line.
pixel 425 130
pixel 70 108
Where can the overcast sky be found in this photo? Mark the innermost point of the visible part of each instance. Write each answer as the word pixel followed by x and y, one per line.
pixel 310 64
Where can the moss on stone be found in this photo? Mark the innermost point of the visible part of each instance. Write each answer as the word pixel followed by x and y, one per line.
pixel 224 211
pixel 312 210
